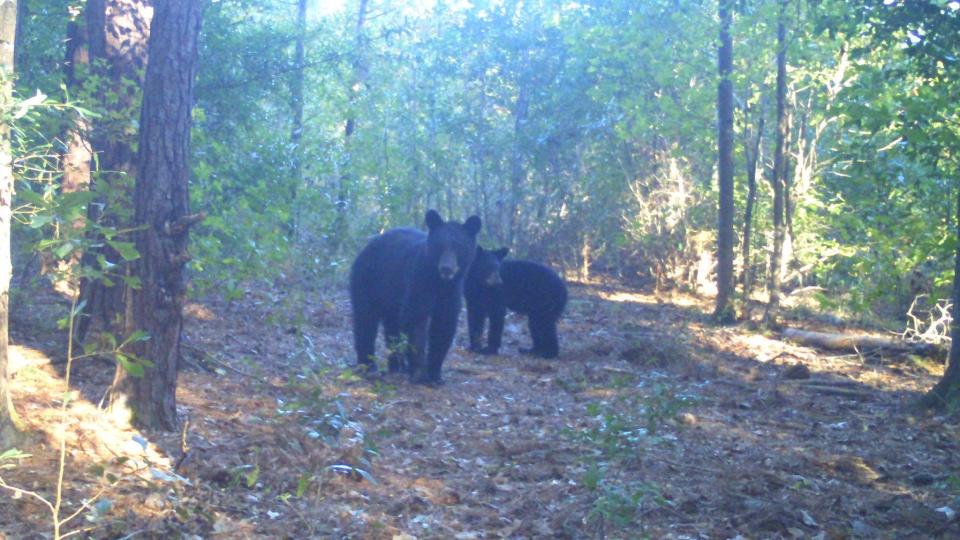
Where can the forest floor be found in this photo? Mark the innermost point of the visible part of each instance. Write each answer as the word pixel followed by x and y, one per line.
pixel 653 423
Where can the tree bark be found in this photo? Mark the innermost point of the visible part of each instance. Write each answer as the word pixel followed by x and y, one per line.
pixel 723 312
pixel 771 312
pixel 752 154
pixel 162 213
pixel 360 68
pixel 521 109
pixel 78 154
pixel 296 109
pixel 76 159
pixel 118 32
pixel 842 342
pixel 10 426
pixel 947 390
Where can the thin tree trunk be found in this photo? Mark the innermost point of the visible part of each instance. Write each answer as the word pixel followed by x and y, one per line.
pixel 786 256
pixel 520 110
pixel 347 177
pixel 296 106
pixel 118 32
pixel 162 211
pixel 752 153
pixel 725 289
pixel 779 168
pixel 10 425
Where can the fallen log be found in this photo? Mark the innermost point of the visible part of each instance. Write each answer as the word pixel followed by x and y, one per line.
pixel 862 343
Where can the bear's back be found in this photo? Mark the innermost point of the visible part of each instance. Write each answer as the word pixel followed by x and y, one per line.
pixel 532 287
pixel 382 267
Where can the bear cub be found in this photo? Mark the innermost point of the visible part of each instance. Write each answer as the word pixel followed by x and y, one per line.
pixel 412 284
pixel 494 285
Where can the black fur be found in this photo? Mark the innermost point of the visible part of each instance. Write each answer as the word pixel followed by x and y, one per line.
pixel 412 283
pixel 494 285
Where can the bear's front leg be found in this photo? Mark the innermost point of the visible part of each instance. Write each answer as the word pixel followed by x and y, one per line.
pixel 498 312
pixel 443 328
pixel 413 329
pixel 476 319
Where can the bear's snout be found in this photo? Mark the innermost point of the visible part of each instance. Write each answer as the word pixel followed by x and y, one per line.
pixel 448 265
pixel 494 279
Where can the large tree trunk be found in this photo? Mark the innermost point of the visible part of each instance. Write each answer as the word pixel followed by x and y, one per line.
pixel 10 429
pixel 779 173
pixel 78 154
pixel 723 312
pixel 76 158
pixel 947 390
pixel 118 31
pixel 162 211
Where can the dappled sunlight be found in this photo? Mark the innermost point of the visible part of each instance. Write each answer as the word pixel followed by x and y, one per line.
pixel 103 454
pixel 198 311
pixel 504 448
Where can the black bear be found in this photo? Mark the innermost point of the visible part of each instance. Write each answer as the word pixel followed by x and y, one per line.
pixel 494 285
pixel 412 283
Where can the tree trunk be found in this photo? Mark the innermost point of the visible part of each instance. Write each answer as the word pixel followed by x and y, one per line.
pixel 520 110
pixel 76 159
pixel 786 254
pixel 296 107
pixel 118 31
pixel 752 154
pixel 162 212
pixel 947 390
pixel 723 312
pixel 779 172
pixel 861 343
pixel 347 177
pixel 10 427
pixel 78 153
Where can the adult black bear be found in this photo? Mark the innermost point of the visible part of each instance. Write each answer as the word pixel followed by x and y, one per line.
pixel 412 283
pixel 494 285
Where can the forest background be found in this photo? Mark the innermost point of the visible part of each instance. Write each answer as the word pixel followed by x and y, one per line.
pixel 582 133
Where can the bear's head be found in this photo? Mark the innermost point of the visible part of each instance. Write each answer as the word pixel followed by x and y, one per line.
pixel 451 245
pixel 486 267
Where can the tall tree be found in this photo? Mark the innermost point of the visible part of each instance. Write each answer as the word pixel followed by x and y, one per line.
pixel 751 157
pixel 76 158
pixel 358 78
pixel 162 213
pixel 947 390
pixel 779 174
pixel 117 32
pixel 296 109
pixel 9 423
pixel 723 312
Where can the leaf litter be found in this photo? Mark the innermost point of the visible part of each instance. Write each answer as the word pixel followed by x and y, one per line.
pixel 653 423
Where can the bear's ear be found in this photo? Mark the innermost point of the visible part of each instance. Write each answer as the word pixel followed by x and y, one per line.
pixel 472 225
pixel 501 253
pixel 433 219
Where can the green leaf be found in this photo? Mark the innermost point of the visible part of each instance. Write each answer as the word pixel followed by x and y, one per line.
pixel 135 337
pixel 13 453
pixel 302 484
pixel 127 250
pixel 253 476
pixel 133 368
pixel 64 250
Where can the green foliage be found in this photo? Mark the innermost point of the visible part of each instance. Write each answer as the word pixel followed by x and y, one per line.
pixel 582 133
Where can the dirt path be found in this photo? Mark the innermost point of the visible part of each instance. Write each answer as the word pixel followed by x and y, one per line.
pixel 651 424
